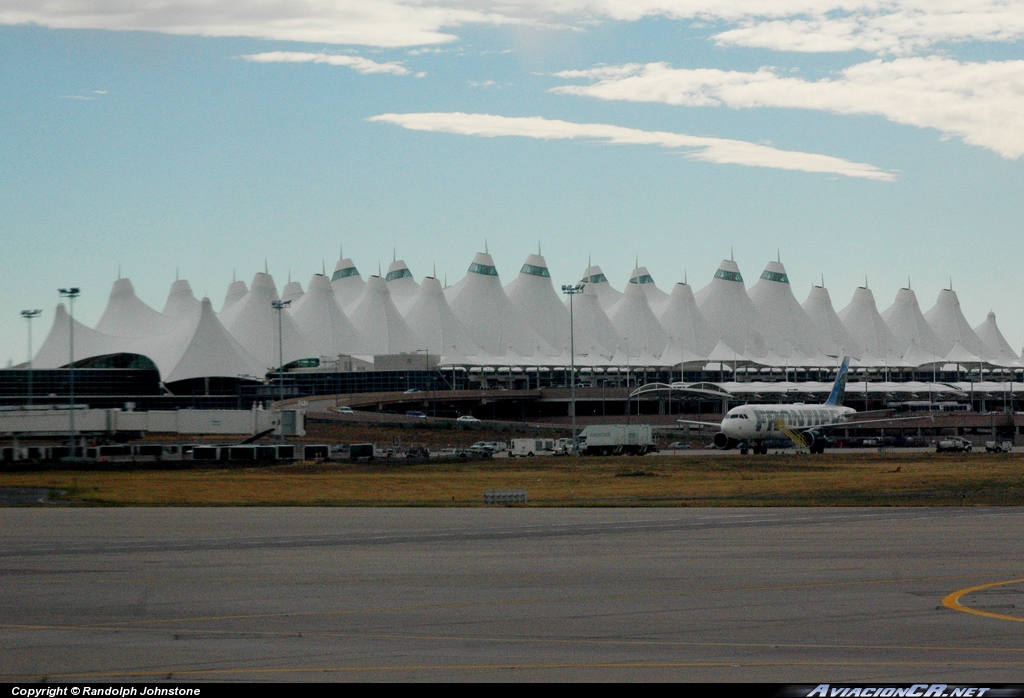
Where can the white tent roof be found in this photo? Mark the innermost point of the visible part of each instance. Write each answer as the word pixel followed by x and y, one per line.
pixel 594 333
pixel 655 296
pixel 54 351
pixel 401 284
pixel 482 307
pixel 906 321
pixel 636 323
pixel 773 297
pixel 950 325
pixel 236 291
pixel 867 327
pixel 253 321
pixel 726 305
pixel 200 347
pixel 127 316
pixel 533 295
pixel 835 338
pixel 995 344
pixel 348 285
pixel 687 328
pixel 181 303
pixel 292 291
pixel 724 354
pixel 322 322
pixel 433 320
pixel 379 323
pixel 196 346
pixel 958 354
pixel 606 295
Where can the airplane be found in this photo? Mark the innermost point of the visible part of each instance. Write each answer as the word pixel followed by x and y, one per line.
pixel 804 425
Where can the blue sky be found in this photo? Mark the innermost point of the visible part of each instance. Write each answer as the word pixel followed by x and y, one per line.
pixel 873 138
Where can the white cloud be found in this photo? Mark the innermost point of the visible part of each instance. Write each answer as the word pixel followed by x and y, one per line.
pixel 982 103
pixel 879 26
pixel 356 63
pixel 905 28
pixel 385 23
pixel 714 150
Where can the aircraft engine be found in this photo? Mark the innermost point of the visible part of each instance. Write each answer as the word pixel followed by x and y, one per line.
pixel 724 443
pixel 814 441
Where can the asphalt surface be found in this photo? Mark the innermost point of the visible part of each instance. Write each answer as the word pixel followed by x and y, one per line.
pixel 507 594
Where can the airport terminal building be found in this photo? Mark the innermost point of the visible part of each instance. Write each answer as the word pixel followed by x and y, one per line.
pixel 391 333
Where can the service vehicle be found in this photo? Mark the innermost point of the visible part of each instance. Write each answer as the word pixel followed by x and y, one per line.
pixel 998 446
pixel 617 439
pixel 416 414
pixel 488 447
pixel 357 451
pixel 533 447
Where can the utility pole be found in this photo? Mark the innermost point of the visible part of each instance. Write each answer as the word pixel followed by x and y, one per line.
pixel 71 294
pixel 29 316
pixel 280 307
pixel 571 290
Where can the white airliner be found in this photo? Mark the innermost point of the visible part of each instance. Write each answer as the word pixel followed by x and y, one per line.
pixel 804 425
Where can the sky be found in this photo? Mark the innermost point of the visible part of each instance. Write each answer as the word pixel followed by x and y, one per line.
pixel 856 140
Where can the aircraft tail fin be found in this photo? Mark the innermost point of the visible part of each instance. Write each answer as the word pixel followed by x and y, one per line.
pixel 839 387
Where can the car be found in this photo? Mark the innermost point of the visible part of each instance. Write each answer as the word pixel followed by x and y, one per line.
pixel 678 446
pixel 467 419
pixel 953 444
pixel 344 409
pixel 411 391
pixel 416 414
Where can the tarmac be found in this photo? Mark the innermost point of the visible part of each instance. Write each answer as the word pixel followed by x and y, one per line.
pixel 796 595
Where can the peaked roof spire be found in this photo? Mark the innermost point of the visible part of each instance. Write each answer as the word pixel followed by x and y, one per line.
pixel 732 257
pixel 266 269
pixel 435 270
pixel 486 251
pixel 323 266
pixel 778 255
pixel 394 254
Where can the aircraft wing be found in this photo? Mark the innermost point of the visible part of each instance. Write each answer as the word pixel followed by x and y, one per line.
pixel 717 425
pixel 865 422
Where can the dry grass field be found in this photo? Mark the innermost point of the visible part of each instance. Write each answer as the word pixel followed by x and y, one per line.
pixel 835 479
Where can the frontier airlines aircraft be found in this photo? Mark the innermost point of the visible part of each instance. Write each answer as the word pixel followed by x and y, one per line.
pixel 804 425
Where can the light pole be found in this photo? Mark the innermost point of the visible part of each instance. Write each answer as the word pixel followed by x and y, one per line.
pixel 71 294
pixel 571 290
pixel 279 306
pixel 29 316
